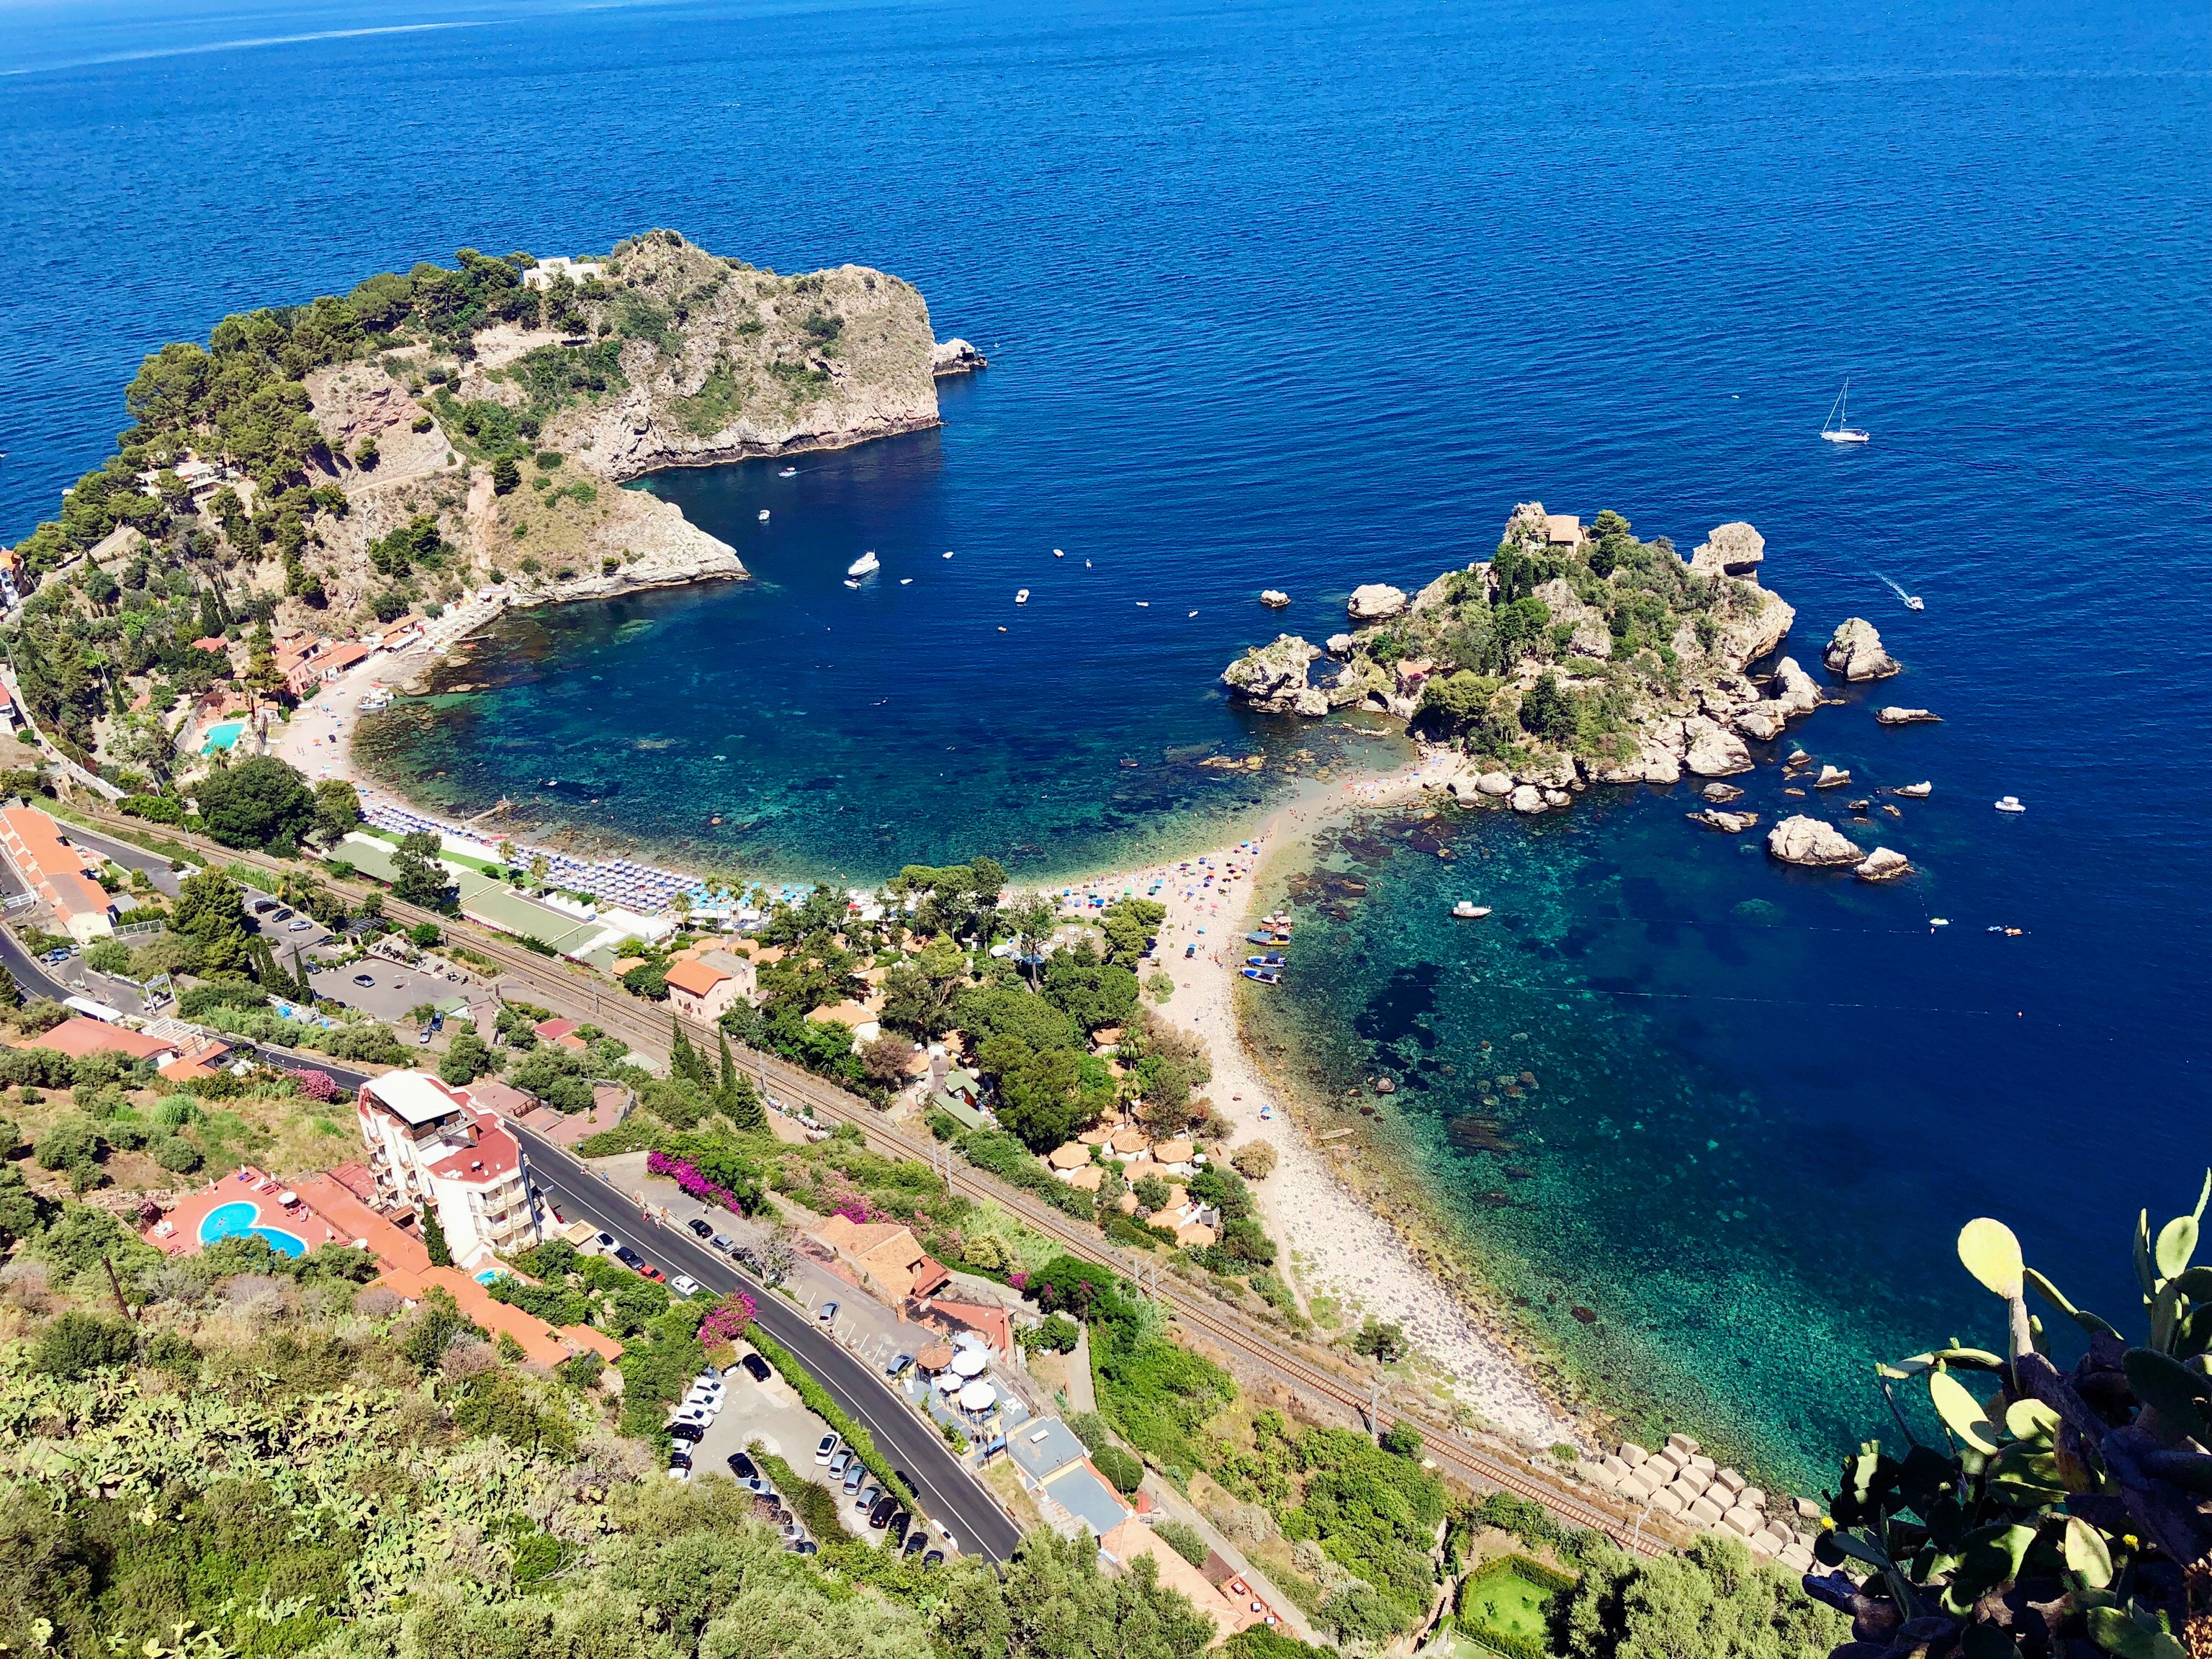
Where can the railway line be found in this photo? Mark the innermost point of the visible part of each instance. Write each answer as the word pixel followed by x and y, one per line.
pixel 581 995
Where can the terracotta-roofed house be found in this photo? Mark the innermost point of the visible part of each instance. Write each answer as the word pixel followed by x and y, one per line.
pixel 1133 1539
pixel 429 1146
pixel 57 873
pixel 562 1032
pixel 697 990
pixel 1563 529
pixel 1086 1179
pixel 1174 1155
pixel 1072 1156
pixel 79 1036
pixel 884 1255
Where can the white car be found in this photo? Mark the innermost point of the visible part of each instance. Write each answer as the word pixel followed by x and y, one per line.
pixel 684 1286
pixel 699 1415
pixel 709 1403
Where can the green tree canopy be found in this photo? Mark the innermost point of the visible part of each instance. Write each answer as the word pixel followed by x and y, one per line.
pixel 261 802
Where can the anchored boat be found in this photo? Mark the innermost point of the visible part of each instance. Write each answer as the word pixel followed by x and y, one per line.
pixel 1838 429
pixel 1468 910
pixel 865 565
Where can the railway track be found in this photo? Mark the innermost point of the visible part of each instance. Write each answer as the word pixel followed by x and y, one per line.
pixel 583 995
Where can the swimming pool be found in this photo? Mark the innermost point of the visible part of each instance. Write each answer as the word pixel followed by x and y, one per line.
pixel 221 737
pixel 236 1220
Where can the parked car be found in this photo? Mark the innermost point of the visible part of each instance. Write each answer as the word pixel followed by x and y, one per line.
pixel 856 1476
pixel 606 1243
pixel 824 1449
pixel 684 1286
pixel 808 1547
pixel 723 1243
pixel 691 1431
pixel 59 953
pixel 282 913
pixel 679 1458
pixel 934 1559
pixel 842 1461
pixel 895 1528
pixel 741 1465
pixel 916 1541
pixel 698 1414
pixel 364 979
pixel 897 1367
pixel 262 907
pixel 299 926
pixel 679 1471
pixel 703 1228
pixel 709 1394
pixel 630 1258
pixel 867 1498
pixel 880 1513
pixel 826 1314
pixel 648 1270
pixel 756 1367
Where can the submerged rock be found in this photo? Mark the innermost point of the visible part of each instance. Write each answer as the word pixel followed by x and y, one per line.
pixel 1808 840
pixel 1855 651
pixel 1882 865
pixel 1272 679
pixel 1721 793
pixel 1375 602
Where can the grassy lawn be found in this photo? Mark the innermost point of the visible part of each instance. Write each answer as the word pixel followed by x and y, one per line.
pixel 1511 1597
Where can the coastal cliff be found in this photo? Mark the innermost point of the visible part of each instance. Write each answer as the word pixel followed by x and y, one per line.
pixel 1575 655
pixel 347 461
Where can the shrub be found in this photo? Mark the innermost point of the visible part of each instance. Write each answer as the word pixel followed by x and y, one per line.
pixel 177 1155
pixel 78 1344
pixel 1254 1160
pixel 1126 1472
pixel 1403 1438
pixel 1184 1539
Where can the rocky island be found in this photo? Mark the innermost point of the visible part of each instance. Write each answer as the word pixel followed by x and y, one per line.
pixel 356 458
pixel 1576 654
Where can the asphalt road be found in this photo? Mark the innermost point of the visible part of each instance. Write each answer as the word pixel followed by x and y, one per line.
pixel 950 1495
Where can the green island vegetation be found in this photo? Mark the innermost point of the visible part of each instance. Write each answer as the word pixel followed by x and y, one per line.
pixel 1553 649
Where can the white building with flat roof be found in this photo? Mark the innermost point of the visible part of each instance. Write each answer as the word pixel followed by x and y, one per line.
pixel 429 1147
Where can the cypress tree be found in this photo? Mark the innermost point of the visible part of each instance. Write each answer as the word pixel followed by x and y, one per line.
pixel 684 1061
pixel 433 1238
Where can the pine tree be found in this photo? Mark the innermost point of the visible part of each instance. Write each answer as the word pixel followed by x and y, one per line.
pixel 11 995
pixel 433 1238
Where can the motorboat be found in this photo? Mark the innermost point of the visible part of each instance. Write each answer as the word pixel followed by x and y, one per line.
pixel 1272 959
pixel 1021 596
pixel 866 565
pixel 788 472
pixel 1838 429
pixel 1264 976
pixel 763 517
pixel 2010 804
pixel 1468 910
pixel 1266 938
pixel 906 581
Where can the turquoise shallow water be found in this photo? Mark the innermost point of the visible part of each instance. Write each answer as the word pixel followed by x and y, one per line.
pixel 1298 295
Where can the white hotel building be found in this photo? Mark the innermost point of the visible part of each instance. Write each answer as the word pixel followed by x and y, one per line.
pixel 429 1148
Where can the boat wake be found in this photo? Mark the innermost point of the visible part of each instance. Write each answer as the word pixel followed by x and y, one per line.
pixel 1913 601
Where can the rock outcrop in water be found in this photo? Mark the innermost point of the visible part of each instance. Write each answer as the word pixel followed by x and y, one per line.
pixel 956 356
pixel 1373 602
pixel 1808 840
pixel 1272 679
pixel 1855 651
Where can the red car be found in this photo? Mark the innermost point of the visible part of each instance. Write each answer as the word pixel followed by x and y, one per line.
pixel 650 1272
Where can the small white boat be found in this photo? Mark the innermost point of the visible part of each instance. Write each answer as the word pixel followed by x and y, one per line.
pixel 1939 921
pixel 1468 910
pixel 1914 602
pixel 1144 604
pixel 788 472
pixel 849 582
pixel 906 581
pixel 1057 554
pixel 1838 429
pixel 865 565
pixel 1193 613
pixel 763 518
pixel 1021 596
pixel 2010 804
pixel 948 556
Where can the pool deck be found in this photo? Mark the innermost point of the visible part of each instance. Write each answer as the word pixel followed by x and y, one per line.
pixel 324 1212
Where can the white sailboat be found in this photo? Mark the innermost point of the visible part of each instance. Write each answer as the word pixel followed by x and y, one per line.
pixel 865 565
pixel 1838 429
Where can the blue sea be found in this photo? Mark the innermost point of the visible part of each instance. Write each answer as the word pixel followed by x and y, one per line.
pixel 1305 296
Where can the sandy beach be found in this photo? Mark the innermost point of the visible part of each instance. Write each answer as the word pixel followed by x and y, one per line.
pixel 1340 1248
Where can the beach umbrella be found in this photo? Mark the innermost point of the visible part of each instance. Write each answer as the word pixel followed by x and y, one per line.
pixel 971 1362
pixel 978 1396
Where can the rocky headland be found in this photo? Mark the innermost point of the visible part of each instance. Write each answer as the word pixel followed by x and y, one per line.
pixel 1576 654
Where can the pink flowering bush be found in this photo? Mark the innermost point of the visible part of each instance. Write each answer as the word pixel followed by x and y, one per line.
pixel 687 1177
pixel 728 1321
pixel 314 1084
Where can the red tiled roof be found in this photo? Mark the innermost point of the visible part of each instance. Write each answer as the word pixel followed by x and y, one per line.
pixel 495 1154
pixel 695 978
pixel 79 1036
